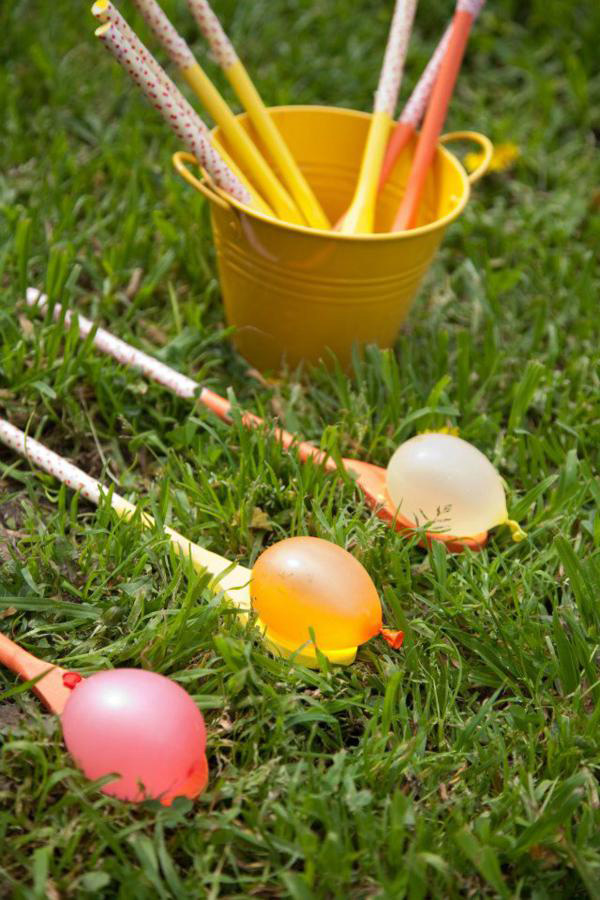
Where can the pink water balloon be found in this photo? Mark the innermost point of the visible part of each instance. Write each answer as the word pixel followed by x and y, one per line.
pixel 141 726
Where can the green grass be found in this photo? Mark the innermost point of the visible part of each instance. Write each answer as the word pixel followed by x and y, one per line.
pixel 468 763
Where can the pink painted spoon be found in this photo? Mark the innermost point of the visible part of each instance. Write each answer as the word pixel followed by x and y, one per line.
pixel 370 478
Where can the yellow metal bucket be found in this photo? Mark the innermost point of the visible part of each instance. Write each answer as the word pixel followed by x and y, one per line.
pixel 295 293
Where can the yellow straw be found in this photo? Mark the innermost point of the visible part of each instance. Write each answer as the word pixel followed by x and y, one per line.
pixel 250 99
pixel 178 114
pixel 360 217
pixel 240 144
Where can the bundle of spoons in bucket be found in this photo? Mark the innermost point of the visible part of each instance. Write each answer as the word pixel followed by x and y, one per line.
pixel 325 219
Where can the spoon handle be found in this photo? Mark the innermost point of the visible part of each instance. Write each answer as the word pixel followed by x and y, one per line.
pixel 244 149
pixel 466 12
pixel 233 579
pixel 225 55
pixel 174 381
pixel 168 99
pixel 50 688
pixel 360 217
pixel 414 109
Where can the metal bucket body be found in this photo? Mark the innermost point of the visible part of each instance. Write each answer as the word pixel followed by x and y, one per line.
pixel 295 293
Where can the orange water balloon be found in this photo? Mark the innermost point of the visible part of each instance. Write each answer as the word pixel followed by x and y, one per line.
pixel 306 583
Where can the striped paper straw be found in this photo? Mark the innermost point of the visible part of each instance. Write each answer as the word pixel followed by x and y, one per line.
pixel 182 124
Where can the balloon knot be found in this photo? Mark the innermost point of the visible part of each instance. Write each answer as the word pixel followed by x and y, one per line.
pixel 71 679
pixel 454 430
pixel 391 637
pixel 517 532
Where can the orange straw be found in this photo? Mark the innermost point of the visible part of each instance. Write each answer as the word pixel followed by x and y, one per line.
pixel 466 10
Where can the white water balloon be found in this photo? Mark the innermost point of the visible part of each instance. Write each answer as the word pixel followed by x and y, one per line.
pixel 446 483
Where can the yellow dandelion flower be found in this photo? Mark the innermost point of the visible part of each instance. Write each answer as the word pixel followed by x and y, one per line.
pixel 503 157
pixel 454 430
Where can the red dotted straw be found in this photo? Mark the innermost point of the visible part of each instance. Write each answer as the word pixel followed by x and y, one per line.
pixel 53 463
pixel 171 40
pixel 173 112
pixel 222 48
pixel 124 353
pixel 105 11
pixel 395 55
pixel 414 109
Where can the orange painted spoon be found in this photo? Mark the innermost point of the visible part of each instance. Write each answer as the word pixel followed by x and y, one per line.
pixel 414 109
pixel 51 689
pixel 370 479
pixel 140 726
pixel 466 12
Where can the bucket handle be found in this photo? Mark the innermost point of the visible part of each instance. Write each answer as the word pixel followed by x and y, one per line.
pixel 180 158
pixel 484 143
pixel 179 161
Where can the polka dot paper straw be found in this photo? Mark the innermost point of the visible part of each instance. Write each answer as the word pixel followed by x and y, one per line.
pixel 360 217
pixel 414 109
pixel 222 48
pixel 395 55
pixel 265 125
pixel 181 123
pixel 174 381
pixel 230 578
pixel 416 104
pixel 435 116
pixel 124 353
pixel 241 145
pixel 50 462
pixel 105 11
pixel 166 33
pixel 472 7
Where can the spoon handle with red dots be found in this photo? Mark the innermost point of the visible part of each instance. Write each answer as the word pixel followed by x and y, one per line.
pixel 169 378
pixel 464 16
pixel 230 578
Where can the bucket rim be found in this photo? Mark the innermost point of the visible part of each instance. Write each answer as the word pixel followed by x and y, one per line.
pixel 385 236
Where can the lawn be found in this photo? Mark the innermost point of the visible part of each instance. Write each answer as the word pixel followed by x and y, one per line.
pixel 466 764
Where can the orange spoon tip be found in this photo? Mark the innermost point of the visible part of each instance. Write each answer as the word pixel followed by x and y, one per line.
pixel 193 787
pixel 54 689
pixel 371 479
